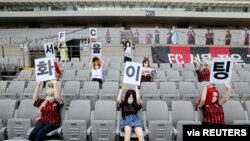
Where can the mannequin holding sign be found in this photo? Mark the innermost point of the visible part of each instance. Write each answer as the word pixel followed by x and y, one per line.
pixel 147 71
pixel 97 65
pixel 211 104
pixel 62 48
pixel 129 108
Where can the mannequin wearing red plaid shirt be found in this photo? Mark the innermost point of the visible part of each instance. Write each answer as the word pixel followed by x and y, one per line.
pixel 211 104
pixel 49 110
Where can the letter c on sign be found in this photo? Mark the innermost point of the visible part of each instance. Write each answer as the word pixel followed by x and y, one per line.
pixel 93 32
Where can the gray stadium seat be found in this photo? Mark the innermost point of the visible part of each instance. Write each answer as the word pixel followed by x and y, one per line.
pixel 242 89
pixel 82 75
pixel 25 75
pixel 237 114
pixel 3 61
pixel 247 67
pixel 174 76
pixel 7 109
pixel 244 76
pixel 14 90
pixel 237 67
pixel 74 60
pixel 65 66
pixel 109 91
pixel 90 91
pixel 114 66
pixel 189 67
pixel 70 91
pixel 24 119
pixel 235 77
pixel 158 122
pixel 247 104
pixel 12 65
pixel 160 76
pixel 168 92
pixel 76 123
pixel 3 86
pixel 149 91
pixel 221 89
pixel 177 67
pixel 113 75
pixel 103 121
pixel 165 66
pixel 189 76
pixel 77 66
pixel 182 114
pixel 201 86
pixel 68 75
pixel 29 90
pixel 188 92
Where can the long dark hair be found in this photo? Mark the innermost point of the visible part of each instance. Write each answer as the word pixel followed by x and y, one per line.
pixel 128 93
pixel 125 45
pixel 145 59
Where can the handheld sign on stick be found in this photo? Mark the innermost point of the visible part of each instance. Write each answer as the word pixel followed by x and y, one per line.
pixel 49 49
pixel 61 36
pixel 132 73
pixel 44 69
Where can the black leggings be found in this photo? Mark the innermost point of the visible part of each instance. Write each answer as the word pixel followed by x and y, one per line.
pixel 127 59
pixel 98 80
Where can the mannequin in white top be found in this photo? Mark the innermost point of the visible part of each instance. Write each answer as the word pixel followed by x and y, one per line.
pixel 127 51
pixel 97 65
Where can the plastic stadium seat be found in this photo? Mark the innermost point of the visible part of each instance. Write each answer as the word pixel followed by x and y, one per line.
pixel 76 123
pixel 238 67
pixel 160 76
pixel 114 66
pixel 65 66
pixel 188 92
pixel 113 75
pixel 70 91
pixel 14 90
pixel 247 104
pixel 247 67
pixel 7 109
pixel 3 61
pixel 177 67
pixel 82 75
pixel 165 66
pixel 182 114
pixel 174 76
pixel 237 114
pixel 109 91
pixel 103 121
pixel 24 119
pixel 68 75
pixel 90 91
pixel 242 89
pixel 12 65
pixel 189 67
pixel 25 75
pixel 168 92
pixel 77 66
pixel 149 91
pixel 29 90
pixel 189 76
pixel 74 60
pixel 244 76
pixel 158 122
pixel 235 77
pixel 3 86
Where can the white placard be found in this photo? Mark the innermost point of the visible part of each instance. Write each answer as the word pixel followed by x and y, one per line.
pixel 44 69
pixel 61 36
pixel 132 73
pixel 93 33
pixel 221 70
pixel 49 50
pixel 96 49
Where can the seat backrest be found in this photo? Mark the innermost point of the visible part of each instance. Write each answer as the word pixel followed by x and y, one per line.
pixel 168 88
pixel 187 75
pixel 237 114
pixel 7 109
pixel 30 87
pixel 3 86
pixel 115 66
pixel 90 87
pixel 113 74
pixel 160 75
pixel 201 86
pixel 16 87
pixel 247 104
pixel 69 73
pixel 83 74
pixel 182 111
pixel 105 110
pixel 27 110
pixel 73 111
pixel 244 75
pixel 165 66
pixel 189 67
pixel 148 88
pixel 65 66
pixel 241 88
pixel 160 114
pixel 173 74
pixel 177 67
pixel 77 66
pixel 72 87
pixel 237 67
pixel 25 74
pixel 186 88
pixel 110 88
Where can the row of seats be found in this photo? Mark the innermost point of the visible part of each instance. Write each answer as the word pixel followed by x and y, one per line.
pixel 9 65
pixel 89 90
pixel 80 123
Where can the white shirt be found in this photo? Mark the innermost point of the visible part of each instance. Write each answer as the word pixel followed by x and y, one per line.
pixel 97 73
pixel 127 52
